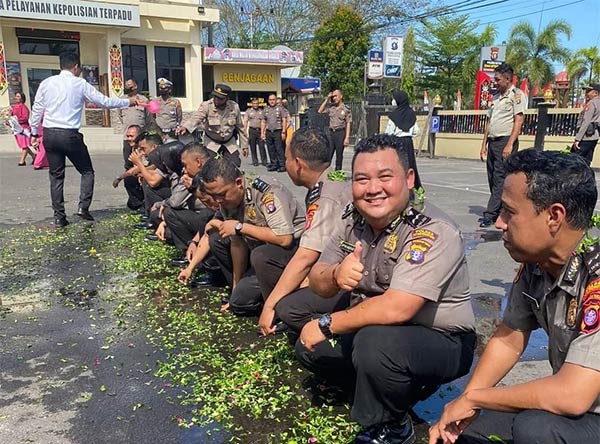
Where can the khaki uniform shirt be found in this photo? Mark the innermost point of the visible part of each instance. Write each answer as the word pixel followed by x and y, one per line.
pixel 339 116
pixel 503 111
pixel 325 204
pixel 134 115
pixel 589 114
pixel 421 253
pixel 567 308
pixel 220 126
pixel 268 203
pixel 273 116
pixel 170 114
pixel 254 116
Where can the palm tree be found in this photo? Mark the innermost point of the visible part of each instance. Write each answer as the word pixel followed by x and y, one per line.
pixel 584 61
pixel 531 54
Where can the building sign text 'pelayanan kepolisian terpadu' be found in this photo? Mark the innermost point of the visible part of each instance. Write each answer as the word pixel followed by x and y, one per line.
pixel 77 11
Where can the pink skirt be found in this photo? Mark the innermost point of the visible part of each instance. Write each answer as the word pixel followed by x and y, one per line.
pixel 23 141
pixel 40 159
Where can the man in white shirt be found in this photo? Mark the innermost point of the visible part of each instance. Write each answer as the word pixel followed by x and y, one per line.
pixel 60 100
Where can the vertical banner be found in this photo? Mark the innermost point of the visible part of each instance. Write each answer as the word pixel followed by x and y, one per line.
pixel 3 80
pixel 375 69
pixel 483 91
pixel 392 52
pixel 116 69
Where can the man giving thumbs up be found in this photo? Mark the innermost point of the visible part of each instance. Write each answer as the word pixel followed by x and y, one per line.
pixel 409 325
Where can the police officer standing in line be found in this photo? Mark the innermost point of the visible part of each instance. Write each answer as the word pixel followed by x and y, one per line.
pixel 307 159
pixel 264 222
pixel 252 121
pixel 340 122
pixel 170 114
pixel 405 269
pixel 548 201
pixel 272 131
pixel 588 124
pixel 221 120
pixel 500 137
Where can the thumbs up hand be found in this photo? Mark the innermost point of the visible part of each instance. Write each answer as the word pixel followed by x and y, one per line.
pixel 350 271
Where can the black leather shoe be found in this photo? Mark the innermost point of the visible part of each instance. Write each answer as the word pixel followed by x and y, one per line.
pixel 486 222
pixel 151 237
pixel 179 262
pixel 281 170
pixel 202 280
pixel 272 168
pixel 143 226
pixel 84 214
pixel 60 222
pixel 254 164
pixel 144 217
pixel 388 433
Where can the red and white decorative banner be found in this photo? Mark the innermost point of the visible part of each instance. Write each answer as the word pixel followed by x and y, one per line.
pixel 116 69
pixel 3 80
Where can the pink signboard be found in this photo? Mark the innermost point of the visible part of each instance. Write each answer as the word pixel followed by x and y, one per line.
pixel 238 55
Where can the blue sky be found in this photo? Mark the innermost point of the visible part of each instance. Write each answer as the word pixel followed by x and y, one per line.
pixel 582 15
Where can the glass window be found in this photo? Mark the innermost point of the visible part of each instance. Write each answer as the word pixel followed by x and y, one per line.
pixel 170 64
pixel 135 65
pixel 29 45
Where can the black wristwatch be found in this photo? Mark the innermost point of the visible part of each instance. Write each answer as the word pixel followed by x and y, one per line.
pixel 238 228
pixel 325 325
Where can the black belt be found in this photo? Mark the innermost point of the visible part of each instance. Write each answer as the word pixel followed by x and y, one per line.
pixel 272 131
pixel 254 128
pixel 62 129
pixel 335 130
pixel 494 139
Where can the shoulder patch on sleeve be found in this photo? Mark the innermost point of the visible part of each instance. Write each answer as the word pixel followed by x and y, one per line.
pixel 268 201
pixel 310 215
pixel 260 185
pixel 590 320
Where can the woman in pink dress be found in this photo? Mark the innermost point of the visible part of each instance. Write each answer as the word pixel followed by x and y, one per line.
pixel 21 112
pixel 40 159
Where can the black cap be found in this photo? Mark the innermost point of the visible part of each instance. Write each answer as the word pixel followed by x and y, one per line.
pixel 221 90
pixel 593 86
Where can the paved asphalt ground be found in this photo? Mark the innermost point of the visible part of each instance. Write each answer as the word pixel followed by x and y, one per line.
pixel 29 414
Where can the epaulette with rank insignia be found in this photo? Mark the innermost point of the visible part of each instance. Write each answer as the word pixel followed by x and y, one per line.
pixel 314 194
pixel 415 218
pixel 591 257
pixel 260 185
pixel 348 210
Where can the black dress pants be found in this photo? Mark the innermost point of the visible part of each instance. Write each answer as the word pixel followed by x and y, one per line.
pixel 132 185
pixel 276 148
pixel 221 251
pixel 586 150
pixel 267 263
pixel 256 142
pixel 61 144
pixel 496 174
pixel 303 305
pixel 184 224
pixel 395 366
pixel 533 427
pixel 155 195
pixel 336 145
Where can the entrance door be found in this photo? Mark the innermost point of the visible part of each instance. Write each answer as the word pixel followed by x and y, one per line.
pixel 35 76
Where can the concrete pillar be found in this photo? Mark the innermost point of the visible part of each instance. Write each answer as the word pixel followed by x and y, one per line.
pixel 194 73
pixel 113 51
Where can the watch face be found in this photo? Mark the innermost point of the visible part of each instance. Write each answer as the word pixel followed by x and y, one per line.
pixel 324 321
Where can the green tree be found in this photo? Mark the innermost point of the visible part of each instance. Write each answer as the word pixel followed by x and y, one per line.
pixel 585 61
pixel 450 49
pixel 531 54
pixel 409 64
pixel 339 50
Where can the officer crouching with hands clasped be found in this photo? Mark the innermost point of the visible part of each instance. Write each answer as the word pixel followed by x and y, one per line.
pixel 548 200
pixel 410 325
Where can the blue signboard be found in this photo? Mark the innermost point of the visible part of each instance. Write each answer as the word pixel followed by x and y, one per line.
pixel 435 124
pixel 392 70
pixel 375 56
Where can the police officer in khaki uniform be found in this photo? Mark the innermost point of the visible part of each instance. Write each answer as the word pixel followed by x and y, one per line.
pixel 307 160
pixel 272 126
pixel 588 124
pixel 410 325
pixel 221 120
pixel 170 114
pixel 548 200
pixel 264 223
pixel 252 121
pixel 500 137
pixel 340 122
